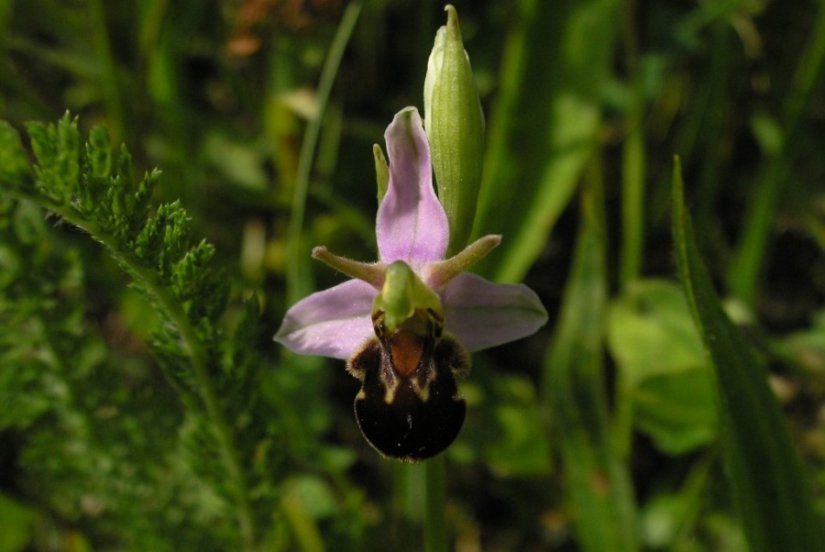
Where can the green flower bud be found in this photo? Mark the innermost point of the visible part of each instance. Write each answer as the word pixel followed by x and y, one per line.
pixel 455 129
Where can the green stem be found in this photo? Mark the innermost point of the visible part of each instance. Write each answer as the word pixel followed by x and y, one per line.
pixel 296 268
pixel 574 398
pixel 221 429
pixel 633 160
pixel 747 263
pixel 633 175
pixel 435 525
pixel 107 70
pixel 407 505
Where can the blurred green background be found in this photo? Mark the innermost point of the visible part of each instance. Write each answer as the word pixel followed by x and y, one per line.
pixel 597 94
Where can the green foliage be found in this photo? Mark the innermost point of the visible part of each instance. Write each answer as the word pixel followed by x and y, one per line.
pixel 600 495
pixel 768 484
pixel 504 429
pixel 544 129
pixel 117 318
pixel 775 167
pixel 212 372
pixel 16 524
pixel 516 443
pixel 666 385
pixel 94 431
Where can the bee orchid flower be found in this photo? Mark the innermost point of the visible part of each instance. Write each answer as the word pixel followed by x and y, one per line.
pixel 405 323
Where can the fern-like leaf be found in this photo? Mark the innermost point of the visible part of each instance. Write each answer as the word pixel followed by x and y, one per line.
pixel 87 186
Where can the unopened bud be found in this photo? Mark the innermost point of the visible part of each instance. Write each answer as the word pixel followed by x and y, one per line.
pixel 455 129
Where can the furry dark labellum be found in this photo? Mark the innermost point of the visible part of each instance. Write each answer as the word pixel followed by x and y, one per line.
pixel 409 406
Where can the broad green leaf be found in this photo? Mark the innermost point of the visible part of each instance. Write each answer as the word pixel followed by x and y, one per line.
pixel 677 410
pixel 544 124
pixel 770 490
pixel 804 348
pixel 651 332
pixel 664 381
pixel 574 390
pixel 240 164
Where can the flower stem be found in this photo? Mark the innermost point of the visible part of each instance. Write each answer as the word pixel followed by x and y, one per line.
pixel 747 264
pixel 633 160
pixel 298 265
pixel 108 72
pixel 435 524
pixel 407 505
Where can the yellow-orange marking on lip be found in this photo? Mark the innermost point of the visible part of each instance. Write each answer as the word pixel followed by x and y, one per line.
pixel 406 348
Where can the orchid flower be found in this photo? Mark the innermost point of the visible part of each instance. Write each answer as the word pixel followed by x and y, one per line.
pixel 406 322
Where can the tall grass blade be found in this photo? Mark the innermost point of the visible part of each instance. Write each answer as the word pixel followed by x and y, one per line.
pixel 544 125
pixel 574 391
pixel 769 487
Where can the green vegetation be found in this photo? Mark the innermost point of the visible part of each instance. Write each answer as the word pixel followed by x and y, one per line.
pixel 167 167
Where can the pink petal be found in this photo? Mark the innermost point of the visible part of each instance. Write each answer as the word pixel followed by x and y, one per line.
pixel 331 323
pixel 482 314
pixel 411 224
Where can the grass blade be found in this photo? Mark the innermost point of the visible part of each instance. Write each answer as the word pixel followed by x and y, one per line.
pixel 775 174
pixel 769 487
pixel 544 125
pixel 574 392
pixel 296 270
